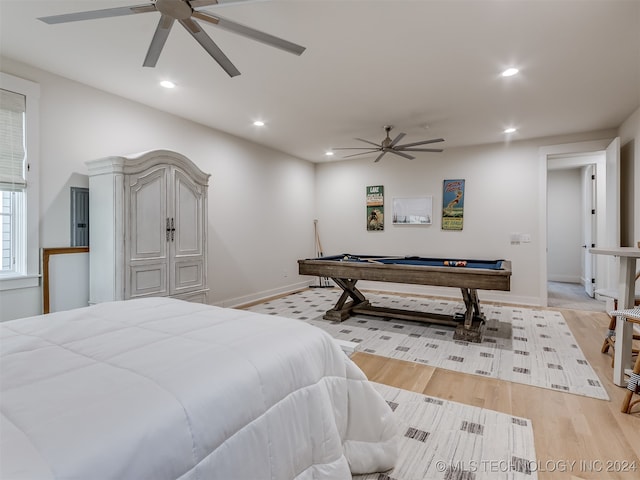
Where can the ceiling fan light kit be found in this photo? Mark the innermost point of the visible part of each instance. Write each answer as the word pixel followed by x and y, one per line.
pixel 391 146
pixel 186 13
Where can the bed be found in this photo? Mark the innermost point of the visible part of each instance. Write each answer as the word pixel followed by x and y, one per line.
pixel 158 388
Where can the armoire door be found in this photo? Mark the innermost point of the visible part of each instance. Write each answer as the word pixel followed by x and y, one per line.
pixel 148 233
pixel 186 259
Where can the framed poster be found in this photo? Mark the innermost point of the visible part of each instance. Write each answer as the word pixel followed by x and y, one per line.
pixel 375 208
pixel 412 210
pixel 452 204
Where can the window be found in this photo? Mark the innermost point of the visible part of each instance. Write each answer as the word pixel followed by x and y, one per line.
pixel 12 179
pixel 19 115
pixel 11 215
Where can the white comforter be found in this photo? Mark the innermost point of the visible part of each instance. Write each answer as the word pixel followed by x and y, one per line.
pixel 164 389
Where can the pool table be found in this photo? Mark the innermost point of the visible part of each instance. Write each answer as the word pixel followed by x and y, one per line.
pixel 468 275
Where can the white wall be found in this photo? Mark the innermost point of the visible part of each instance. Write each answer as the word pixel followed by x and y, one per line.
pixel 564 225
pixel 502 197
pixel 261 201
pixel 629 133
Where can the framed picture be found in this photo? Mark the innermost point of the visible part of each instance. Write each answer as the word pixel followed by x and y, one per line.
pixel 452 204
pixel 413 210
pixel 375 208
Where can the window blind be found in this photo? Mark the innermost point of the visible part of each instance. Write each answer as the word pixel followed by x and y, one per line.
pixel 12 141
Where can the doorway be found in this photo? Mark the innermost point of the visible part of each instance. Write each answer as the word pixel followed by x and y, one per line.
pixel 576 192
pixel 572 296
pixel 572 219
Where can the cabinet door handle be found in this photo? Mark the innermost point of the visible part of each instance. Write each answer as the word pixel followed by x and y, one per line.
pixel 170 229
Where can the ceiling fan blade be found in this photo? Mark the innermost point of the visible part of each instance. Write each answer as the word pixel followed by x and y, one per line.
pixel 94 14
pixel 424 142
pixel 370 143
pixel 223 3
pixel 379 157
pixel 401 154
pixel 419 149
pixel 209 45
pixel 397 139
pixel 355 148
pixel 202 3
pixel 158 41
pixel 249 32
pixel 361 153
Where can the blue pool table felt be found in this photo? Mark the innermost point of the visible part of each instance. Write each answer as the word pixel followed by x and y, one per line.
pixel 418 261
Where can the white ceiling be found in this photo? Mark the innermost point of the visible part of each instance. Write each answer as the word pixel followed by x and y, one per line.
pixel 430 68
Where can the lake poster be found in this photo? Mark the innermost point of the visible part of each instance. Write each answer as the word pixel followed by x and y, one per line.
pixel 452 204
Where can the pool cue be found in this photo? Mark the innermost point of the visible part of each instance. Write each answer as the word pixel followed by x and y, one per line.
pixel 317 235
pixel 324 281
pixel 378 259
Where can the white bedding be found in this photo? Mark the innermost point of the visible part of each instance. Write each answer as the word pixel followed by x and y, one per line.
pixel 164 389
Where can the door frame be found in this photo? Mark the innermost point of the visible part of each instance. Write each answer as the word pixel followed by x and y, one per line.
pixel 590 225
pixel 591 167
pixel 544 155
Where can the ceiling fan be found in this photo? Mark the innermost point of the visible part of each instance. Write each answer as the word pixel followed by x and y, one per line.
pixel 391 146
pixel 186 13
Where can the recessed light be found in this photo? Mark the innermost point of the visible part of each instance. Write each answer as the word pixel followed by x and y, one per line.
pixel 259 123
pixel 167 84
pixel 510 72
pixel 329 153
pixel 510 130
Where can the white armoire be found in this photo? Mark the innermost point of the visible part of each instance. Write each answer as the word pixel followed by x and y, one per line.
pixel 148 227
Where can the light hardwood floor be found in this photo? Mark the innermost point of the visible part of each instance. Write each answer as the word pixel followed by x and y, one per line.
pixel 575 437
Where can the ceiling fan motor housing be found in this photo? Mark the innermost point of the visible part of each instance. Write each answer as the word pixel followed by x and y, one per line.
pixel 178 9
pixel 386 143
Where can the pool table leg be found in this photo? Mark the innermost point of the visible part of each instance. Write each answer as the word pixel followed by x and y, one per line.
pixel 471 329
pixel 342 310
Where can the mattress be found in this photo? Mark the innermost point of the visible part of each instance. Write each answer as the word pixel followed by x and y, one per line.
pixel 159 388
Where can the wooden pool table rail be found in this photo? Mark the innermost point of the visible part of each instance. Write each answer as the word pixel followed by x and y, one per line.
pixel 460 277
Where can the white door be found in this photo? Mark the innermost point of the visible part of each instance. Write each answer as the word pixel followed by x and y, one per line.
pixel 147 234
pixel 612 213
pixel 187 262
pixel 590 230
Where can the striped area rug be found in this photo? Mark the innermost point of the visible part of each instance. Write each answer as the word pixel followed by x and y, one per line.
pixel 523 345
pixel 451 441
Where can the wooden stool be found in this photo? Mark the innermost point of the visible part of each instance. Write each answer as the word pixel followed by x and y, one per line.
pixel 610 339
pixel 632 315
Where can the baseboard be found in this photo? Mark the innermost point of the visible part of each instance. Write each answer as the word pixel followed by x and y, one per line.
pixel 565 278
pixel 245 300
